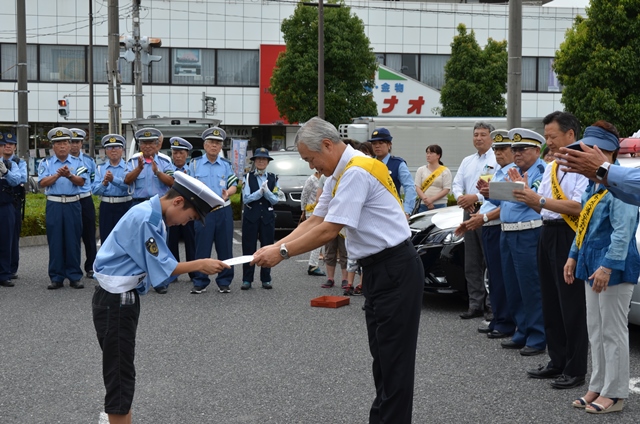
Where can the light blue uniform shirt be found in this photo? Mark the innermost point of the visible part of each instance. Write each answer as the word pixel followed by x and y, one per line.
pixel 115 188
pixel 62 186
pixel 408 185
pixel 22 166
pixel 137 245
pixel 248 197
pixel 518 211
pixel 90 165
pixel 216 175
pixel 500 175
pixel 147 184
pixel 624 183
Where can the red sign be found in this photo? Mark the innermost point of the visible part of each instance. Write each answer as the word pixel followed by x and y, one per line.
pixel 269 114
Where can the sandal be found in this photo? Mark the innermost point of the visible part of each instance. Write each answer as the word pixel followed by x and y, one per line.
pixel 357 291
pixel 348 290
pixel 596 408
pixel 582 402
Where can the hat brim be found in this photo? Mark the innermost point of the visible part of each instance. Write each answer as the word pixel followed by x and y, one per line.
pixel 380 139
pixel 253 158
pixel 525 144
pixel 53 140
pixel 156 138
pixel 214 138
pixel 594 141
pixel 179 148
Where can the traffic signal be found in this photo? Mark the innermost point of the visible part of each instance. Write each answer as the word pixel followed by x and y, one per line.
pixel 63 108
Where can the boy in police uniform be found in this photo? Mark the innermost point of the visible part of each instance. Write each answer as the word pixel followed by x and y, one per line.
pixel 133 258
pixel 259 194
pixel 18 197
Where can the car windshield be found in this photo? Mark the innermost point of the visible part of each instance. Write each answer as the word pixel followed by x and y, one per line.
pixel 289 165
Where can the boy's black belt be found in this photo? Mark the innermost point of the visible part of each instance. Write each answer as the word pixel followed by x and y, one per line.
pixel 384 254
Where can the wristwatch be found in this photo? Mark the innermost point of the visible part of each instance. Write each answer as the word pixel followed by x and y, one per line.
pixel 542 201
pixel 284 252
pixel 485 218
pixel 602 171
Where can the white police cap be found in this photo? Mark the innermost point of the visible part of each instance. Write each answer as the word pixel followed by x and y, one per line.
pixel 77 134
pixel 59 134
pixel 500 138
pixel 195 192
pixel 214 133
pixel 179 143
pixel 148 134
pixel 522 137
pixel 113 140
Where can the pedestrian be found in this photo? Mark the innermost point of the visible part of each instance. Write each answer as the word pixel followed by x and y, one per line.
pixel 19 193
pixel 215 172
pixel 86 201
pixel 381 143
pixel 308 201
pixel 604 254
pixel 62 175
pixel 563 305
pixel 132 259
pixel 335 252
pixel 361 197
pixel 9 178
pixel 109 185
pixel 259 194
pixel 465 191
pixel 433 181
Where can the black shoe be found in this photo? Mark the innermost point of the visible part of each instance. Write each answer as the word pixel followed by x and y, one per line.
pixel 484 329
pixel 488 316
pixel 90 274
pixel 314 270
pixel 567 382
pixel 510 344
pixel 495 334
pixel 224 289
pixel 14 276
pixel 54 286
pixel 7 283
pixel 76 285
pixel 472 313
pixel 530 351
pixel 543 371
pixel 161 290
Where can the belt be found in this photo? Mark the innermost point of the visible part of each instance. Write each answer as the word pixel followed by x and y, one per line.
pixel 384 254
pixel 492 223
pixel 85 194
pixel 64 199
pixel 121 199
pixel 520 226
pixel 554 222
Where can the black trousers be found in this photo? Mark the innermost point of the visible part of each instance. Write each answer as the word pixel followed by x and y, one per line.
pixel 563 305
pixel 188 234
pixel 393 287
pixel 110 214
pixel 15 245
pixel 251 233
pixel 89 232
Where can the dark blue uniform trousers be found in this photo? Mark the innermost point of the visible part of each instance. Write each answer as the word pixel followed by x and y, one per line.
pixel 15 247
pixel 89 232
pixel 7 211
pixel 188 234
pixel 251 233
pixel 502 320
pixel 218 230
pixel 392 285
pixel 64 230
pixel 110 214
pixel 522 284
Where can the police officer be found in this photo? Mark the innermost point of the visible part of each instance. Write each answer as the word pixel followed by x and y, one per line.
pixel 518 247
pixel 259 194
pixel 86 201
pixel 9 179
pixel 19 198
pixel 180 149
pixel 381 142
pixel 148 173
pixel 62 175
pixel 109 184
pixel 217 173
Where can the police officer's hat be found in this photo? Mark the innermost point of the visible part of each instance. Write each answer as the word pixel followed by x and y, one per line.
pixel 195 192
pixel 214 133
pixel 261 153
pixel 596 136
pixel 178 143
pixel 522 137
pixel 2 142
pixel 59 134
pixel 77 134
pixel 148 134
pixel 381 134
pixel 500 138
pixel 113 140
pixel 10 138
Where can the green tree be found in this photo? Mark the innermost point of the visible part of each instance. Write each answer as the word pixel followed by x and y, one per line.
pixel 598 65
pixel 475 80
pixel 349 66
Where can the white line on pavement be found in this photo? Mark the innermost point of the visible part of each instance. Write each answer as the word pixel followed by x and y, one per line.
pixel 634 385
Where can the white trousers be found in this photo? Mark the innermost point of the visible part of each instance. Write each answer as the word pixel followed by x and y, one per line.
pixel 607 315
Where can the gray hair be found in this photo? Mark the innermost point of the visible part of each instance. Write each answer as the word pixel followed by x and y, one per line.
pixel 314 131
pixel 483 125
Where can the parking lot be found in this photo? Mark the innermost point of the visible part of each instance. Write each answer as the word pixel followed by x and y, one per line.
pixel 260 357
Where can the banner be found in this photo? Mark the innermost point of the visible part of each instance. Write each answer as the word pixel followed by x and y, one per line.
pixel 238 156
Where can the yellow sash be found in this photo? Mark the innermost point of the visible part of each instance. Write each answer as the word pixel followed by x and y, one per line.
pixel 310 207
pixel 374 167
pixel 558 194
pixel 435 174
pixel 585 216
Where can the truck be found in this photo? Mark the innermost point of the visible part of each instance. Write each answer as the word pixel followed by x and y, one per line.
pixel 411 136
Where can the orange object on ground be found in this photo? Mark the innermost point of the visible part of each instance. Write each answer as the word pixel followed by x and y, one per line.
pixel 330 301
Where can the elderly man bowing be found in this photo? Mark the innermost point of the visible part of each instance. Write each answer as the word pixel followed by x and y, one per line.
pixel 360 196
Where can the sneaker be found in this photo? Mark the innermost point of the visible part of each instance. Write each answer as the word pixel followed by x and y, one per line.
pixel 245 285
pixel 357 291
pixel 198 290
pixel 315 271
pixel 345 283
pixel 76 285
pixel 54 286
pixel 267 285
pixel 161 290
pixel 224 289
pixel 328 284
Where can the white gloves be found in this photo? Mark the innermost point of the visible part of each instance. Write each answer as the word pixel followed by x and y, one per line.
pixel 264 188
pixel 3 167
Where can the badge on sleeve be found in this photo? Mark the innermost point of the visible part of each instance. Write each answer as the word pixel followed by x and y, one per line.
pixel 152 246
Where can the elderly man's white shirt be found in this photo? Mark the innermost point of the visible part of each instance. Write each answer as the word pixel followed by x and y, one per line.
pixel 373 218
pixel 572 184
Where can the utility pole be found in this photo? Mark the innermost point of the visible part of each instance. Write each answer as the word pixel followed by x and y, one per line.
pixel 137 65
pixel 321 59
pixel 112 71
pixel 514 72
pixel 92 137
pixel 23 107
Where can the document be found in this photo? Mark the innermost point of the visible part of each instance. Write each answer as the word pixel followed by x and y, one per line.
pixel 239 260
pixel 503 190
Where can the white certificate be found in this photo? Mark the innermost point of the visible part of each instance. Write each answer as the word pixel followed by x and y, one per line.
pixel 503 190
pixel 239 260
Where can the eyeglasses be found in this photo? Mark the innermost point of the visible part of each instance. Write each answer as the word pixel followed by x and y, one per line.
pixel 520 149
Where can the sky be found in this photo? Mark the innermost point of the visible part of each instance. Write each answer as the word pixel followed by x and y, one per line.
pixel 568 3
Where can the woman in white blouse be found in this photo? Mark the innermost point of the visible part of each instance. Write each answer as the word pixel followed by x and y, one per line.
pixel 433 181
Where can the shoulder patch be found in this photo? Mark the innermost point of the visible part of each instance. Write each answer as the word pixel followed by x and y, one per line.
pixel 152 246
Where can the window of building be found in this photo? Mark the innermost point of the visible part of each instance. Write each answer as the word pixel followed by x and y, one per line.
pixel 404 63
pixel 100 59
pixel 62 63
pixel 158 72
pixel 529 73
pixel 547 79
pixel 238 68
pixel 432 69
pixel 9 60
pixel 193 66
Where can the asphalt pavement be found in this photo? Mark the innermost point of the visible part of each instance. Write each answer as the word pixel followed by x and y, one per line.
pixel 261 356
